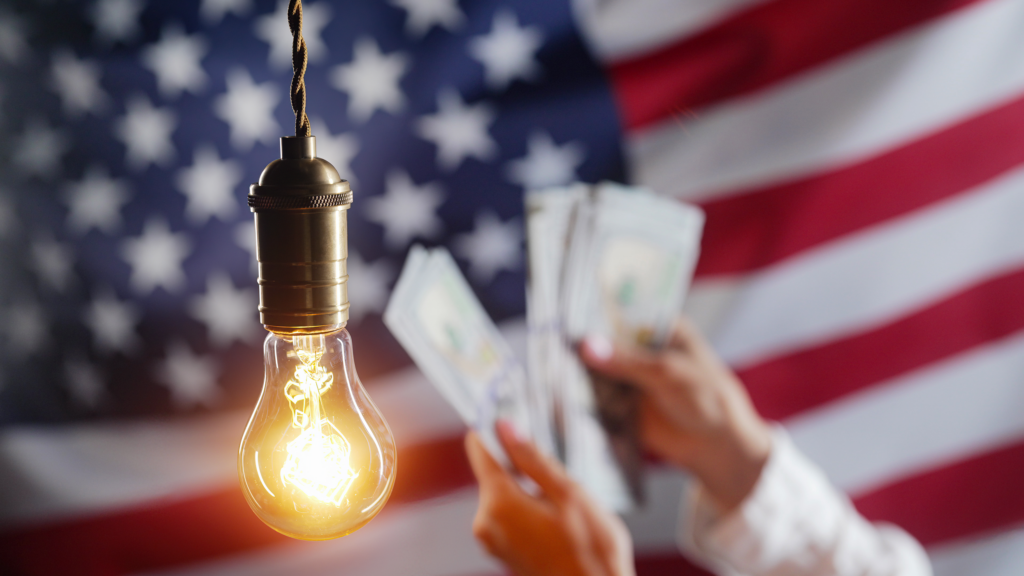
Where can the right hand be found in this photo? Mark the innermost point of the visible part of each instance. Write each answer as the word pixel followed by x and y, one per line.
pixel 695 412
pixel 559 532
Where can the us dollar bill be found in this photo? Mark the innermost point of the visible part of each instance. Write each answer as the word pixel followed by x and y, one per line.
pixel 437 318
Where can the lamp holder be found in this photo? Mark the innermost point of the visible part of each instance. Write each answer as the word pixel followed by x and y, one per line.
pixel 301 206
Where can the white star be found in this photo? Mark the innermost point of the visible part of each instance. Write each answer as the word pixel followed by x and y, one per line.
pixel 213 11
pixel 146 133
pixel 155 257
pixel 191 378
pixel 12 38
pixel 508 52
pixel 175 60
pixel 8 216
pixel 112 323
pixel 245 237
pixel 338 150
pixel 406 210
pixel 422 15
pixel 117 20
pixel 248 108
pixel 459 131
pixel 26 328
pixel 84 382
pixel 367 286
pixel 546 163
pixel 493 245
pixel 39 149
pixel 95 202
pixel 273 29
pixel 209 184
pixel 52 262
pixel 77 82
pixel 371 80
pixel 228 313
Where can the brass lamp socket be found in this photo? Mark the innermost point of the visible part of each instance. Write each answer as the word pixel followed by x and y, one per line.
pixel 300 205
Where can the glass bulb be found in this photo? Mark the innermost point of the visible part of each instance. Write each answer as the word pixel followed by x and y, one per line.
pixel 317 460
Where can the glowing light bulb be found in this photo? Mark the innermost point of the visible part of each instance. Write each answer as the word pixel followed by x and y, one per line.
pixel 317 460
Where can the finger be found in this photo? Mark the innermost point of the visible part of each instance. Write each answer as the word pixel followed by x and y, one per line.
pixel 525 456
pixel 489 473
pixel 633 365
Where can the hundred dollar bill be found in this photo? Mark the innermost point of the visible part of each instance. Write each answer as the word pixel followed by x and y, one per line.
pixel 436 317
pixel 630 266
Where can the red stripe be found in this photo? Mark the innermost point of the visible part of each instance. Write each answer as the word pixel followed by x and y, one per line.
pixel 667 565
pixel 758 228
pixel 982 313
pixel 170 534
pixel 757 47
pixel 981 494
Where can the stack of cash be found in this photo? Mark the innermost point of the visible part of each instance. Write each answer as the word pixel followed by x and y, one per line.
pixel 603 260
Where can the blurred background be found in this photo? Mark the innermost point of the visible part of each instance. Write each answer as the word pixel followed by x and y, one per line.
pixel 861 164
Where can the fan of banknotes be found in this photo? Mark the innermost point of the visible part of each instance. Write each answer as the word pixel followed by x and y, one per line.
pixel 603 259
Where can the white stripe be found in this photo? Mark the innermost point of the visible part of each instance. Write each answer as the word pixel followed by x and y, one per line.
pixel 53 472
pixel 943 413
pixel 855 107
pixel 998 555
pixel 865 279
pixel 620 29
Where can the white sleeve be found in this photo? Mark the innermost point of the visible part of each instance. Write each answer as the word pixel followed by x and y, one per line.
pixel 794 523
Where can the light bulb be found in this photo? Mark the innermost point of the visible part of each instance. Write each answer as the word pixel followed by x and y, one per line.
pixel 317 460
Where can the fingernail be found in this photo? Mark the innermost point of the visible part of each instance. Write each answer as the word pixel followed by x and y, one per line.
pixel 598 347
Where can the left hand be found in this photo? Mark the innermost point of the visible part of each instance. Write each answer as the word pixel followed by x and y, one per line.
pixel 694 412
pixel 560 532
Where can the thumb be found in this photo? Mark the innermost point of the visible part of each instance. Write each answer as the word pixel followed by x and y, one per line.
pixel 627 363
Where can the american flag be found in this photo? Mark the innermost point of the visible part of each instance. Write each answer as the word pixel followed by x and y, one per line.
pixel 861 164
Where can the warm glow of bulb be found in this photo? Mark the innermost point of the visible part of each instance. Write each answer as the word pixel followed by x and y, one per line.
pixel 317 460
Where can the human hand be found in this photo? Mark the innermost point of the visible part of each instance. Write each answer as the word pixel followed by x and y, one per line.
pixel 560 532
pixel 695 412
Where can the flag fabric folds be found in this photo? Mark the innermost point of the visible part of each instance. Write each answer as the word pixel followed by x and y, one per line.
pixel 861 264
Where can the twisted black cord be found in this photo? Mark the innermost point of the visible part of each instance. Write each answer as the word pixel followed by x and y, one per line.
pixel 299 58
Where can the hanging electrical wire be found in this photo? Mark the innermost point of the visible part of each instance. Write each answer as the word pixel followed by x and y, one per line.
pixel 299 60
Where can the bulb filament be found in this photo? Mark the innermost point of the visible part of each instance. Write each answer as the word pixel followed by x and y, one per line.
pixel 318 459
